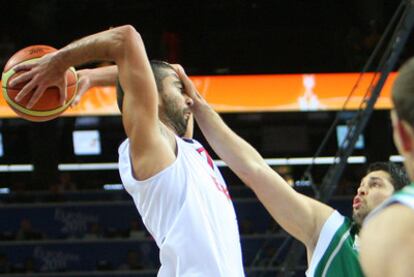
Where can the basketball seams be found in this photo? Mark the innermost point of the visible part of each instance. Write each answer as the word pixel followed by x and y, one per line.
pixel 37 113
pixel 73 70
pixel 24 110
pixel 46 110
pixel 6 75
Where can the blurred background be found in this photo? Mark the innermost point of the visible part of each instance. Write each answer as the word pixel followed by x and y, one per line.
pixel 63 211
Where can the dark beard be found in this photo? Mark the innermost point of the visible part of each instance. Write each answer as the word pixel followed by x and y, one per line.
pixel 176 119
pixel 357 220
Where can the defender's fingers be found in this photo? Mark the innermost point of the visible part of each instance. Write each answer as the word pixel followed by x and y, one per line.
pixel 176 66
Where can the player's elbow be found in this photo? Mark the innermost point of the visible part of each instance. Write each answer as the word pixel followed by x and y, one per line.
pixel 124 38
pixel 128 32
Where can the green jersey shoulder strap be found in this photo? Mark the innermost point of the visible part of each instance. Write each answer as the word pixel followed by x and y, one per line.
pixel 335 253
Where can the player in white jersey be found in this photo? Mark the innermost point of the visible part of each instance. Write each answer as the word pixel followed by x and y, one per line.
pixel 180 194
pixel 387 240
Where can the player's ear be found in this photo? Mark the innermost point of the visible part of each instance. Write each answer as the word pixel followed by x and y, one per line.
pixel 403 134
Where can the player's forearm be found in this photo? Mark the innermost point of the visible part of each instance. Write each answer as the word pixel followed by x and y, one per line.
pixel 239 155
pixel 106 46
pixel 101 76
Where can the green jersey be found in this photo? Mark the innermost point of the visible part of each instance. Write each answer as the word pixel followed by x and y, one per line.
pixel 404 197
pixel 336 252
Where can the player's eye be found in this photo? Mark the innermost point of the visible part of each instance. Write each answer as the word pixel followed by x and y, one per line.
pixel 375 184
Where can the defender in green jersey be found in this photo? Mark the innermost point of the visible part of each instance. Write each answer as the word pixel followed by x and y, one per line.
pixel 336 251
pixel 387 242
pixel 328 236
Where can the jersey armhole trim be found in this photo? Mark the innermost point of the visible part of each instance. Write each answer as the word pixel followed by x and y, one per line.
pixel 330 227
pixel 127 167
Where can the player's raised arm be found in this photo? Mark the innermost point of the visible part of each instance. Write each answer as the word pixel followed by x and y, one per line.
pixel 150 150
pixel 299 215
pixel 124 46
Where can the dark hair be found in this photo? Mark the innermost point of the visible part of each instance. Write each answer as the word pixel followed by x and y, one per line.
pixel 399 178
pixel 403 92
pixel 159 70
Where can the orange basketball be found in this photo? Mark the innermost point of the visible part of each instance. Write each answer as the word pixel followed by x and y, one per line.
pixel 48 106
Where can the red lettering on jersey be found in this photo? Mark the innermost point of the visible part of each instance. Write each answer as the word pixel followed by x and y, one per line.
pixel 221 187
pixel 210 162
pixel 209 159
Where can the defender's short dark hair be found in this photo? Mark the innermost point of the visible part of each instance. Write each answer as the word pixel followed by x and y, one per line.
pixel 399 177
pixel 158 69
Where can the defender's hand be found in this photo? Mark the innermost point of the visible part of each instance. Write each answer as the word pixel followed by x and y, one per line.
pixel 190 88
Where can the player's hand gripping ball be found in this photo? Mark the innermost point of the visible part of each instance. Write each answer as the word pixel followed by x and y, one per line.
pixel 49 105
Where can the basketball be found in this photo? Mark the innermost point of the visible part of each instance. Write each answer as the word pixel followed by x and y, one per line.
pixel 48 107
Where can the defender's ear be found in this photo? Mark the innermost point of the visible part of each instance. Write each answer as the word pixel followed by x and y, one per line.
pixel 403 134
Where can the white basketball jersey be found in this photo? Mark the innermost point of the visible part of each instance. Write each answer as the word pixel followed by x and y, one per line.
pixel 187 209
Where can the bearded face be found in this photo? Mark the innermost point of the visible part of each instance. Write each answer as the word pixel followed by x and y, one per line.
pixel 174 110
pixel 375 187
pixel 177 117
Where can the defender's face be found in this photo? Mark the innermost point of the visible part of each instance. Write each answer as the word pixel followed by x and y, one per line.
pixel 373 190
pixel 175 104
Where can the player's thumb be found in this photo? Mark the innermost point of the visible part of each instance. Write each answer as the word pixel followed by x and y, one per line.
pixel 63 94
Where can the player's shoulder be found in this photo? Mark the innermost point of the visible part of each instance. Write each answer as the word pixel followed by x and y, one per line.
pixel 389 228
pixel 397 218
pixel 390 231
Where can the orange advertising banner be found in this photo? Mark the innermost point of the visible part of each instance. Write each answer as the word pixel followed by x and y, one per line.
pixel 256 93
